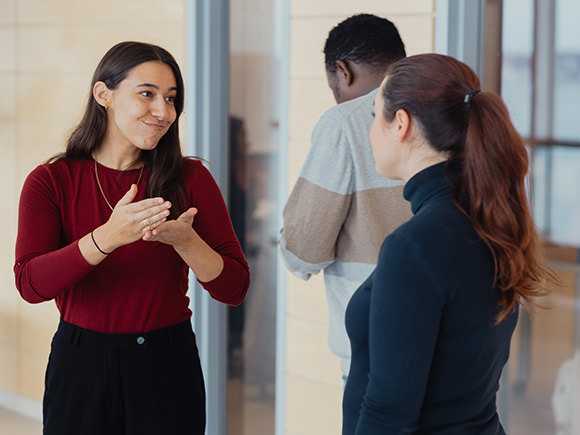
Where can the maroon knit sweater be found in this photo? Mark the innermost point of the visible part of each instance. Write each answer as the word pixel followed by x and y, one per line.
pixel 138 287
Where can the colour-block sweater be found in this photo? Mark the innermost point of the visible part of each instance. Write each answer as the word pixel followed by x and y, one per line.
pixel 340 211
pixel 140 286
pixel 426 356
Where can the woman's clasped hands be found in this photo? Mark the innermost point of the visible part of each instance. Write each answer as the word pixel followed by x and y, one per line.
pixel 147 220
pixel 131 221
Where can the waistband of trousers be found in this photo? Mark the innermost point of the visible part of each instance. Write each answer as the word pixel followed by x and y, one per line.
pixel 159 337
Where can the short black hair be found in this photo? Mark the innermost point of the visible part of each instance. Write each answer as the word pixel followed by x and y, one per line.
pixel 364 39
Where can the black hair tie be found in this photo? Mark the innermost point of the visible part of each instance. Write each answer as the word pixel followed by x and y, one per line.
pixel 469 97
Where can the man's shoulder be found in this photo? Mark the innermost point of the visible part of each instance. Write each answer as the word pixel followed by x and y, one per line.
pixel 357 107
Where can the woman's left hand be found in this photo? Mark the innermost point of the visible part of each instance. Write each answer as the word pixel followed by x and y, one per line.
pixel 175 232
pixel 203 260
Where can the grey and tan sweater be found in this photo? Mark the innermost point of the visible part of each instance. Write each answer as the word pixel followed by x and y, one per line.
pixel 340 211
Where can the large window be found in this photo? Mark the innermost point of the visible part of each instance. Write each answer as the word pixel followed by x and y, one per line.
pixel 540 82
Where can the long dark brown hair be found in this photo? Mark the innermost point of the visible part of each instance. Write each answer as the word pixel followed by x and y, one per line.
pixel 166 159
pixel 475 127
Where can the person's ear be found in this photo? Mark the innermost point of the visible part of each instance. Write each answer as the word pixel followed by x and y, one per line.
pixel 402 124
pixel 102 94
pixel 344 72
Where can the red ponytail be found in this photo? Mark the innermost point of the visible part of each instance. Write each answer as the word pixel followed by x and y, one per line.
pixel 496 164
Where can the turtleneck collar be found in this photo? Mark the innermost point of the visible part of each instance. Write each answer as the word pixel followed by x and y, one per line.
pixel 429 183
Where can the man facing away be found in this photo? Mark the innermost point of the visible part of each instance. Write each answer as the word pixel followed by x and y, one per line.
pixel 340 210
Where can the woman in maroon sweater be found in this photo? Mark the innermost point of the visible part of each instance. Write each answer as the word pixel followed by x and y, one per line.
pixel 109 230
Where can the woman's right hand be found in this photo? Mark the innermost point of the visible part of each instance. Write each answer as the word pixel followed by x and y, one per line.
pixel 127 224
pixel 131 220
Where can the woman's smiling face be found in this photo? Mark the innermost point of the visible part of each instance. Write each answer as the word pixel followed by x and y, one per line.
pixel 141 109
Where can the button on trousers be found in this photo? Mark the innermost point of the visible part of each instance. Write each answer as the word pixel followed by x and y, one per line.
pixel 124 384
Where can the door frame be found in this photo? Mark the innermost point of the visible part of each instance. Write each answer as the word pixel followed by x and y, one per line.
pixel 206 119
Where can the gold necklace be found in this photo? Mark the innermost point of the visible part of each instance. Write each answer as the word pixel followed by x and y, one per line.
pixel 101 188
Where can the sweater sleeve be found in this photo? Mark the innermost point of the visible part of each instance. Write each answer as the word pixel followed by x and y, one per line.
pixel 319 202
pixel 405 311
pixel 44 268
pixel 213 224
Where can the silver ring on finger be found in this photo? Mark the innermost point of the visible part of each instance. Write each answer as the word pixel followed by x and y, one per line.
pixel 146 222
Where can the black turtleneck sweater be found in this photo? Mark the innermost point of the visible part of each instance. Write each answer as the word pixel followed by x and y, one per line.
pixel 426 356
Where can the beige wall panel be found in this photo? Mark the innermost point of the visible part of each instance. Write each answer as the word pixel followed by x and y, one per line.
pixel 78 49
pixel 416 33
pixel 103 11
pixel 308 354
pixel 309 99
pixel 8 15
pixel 8 100
pixel 7 160
pixel 307 38
pixel 312 408
pixel 9 297
pixel 37 141
pixel 8 218
pixel 9 312
pixel 7 49
pixel 8 292
pixel 63 100
pixel 32 367
pixel 38 324
pixel 9 368
pixel 326 7
pixel 307 299
pixel 9 315
pixel 68 49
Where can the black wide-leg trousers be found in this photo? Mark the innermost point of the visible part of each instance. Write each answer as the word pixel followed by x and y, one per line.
pixel 124 384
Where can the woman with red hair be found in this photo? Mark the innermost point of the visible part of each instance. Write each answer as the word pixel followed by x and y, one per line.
pixel 430 329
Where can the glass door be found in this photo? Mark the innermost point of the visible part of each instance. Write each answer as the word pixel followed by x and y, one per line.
pixel 254 144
